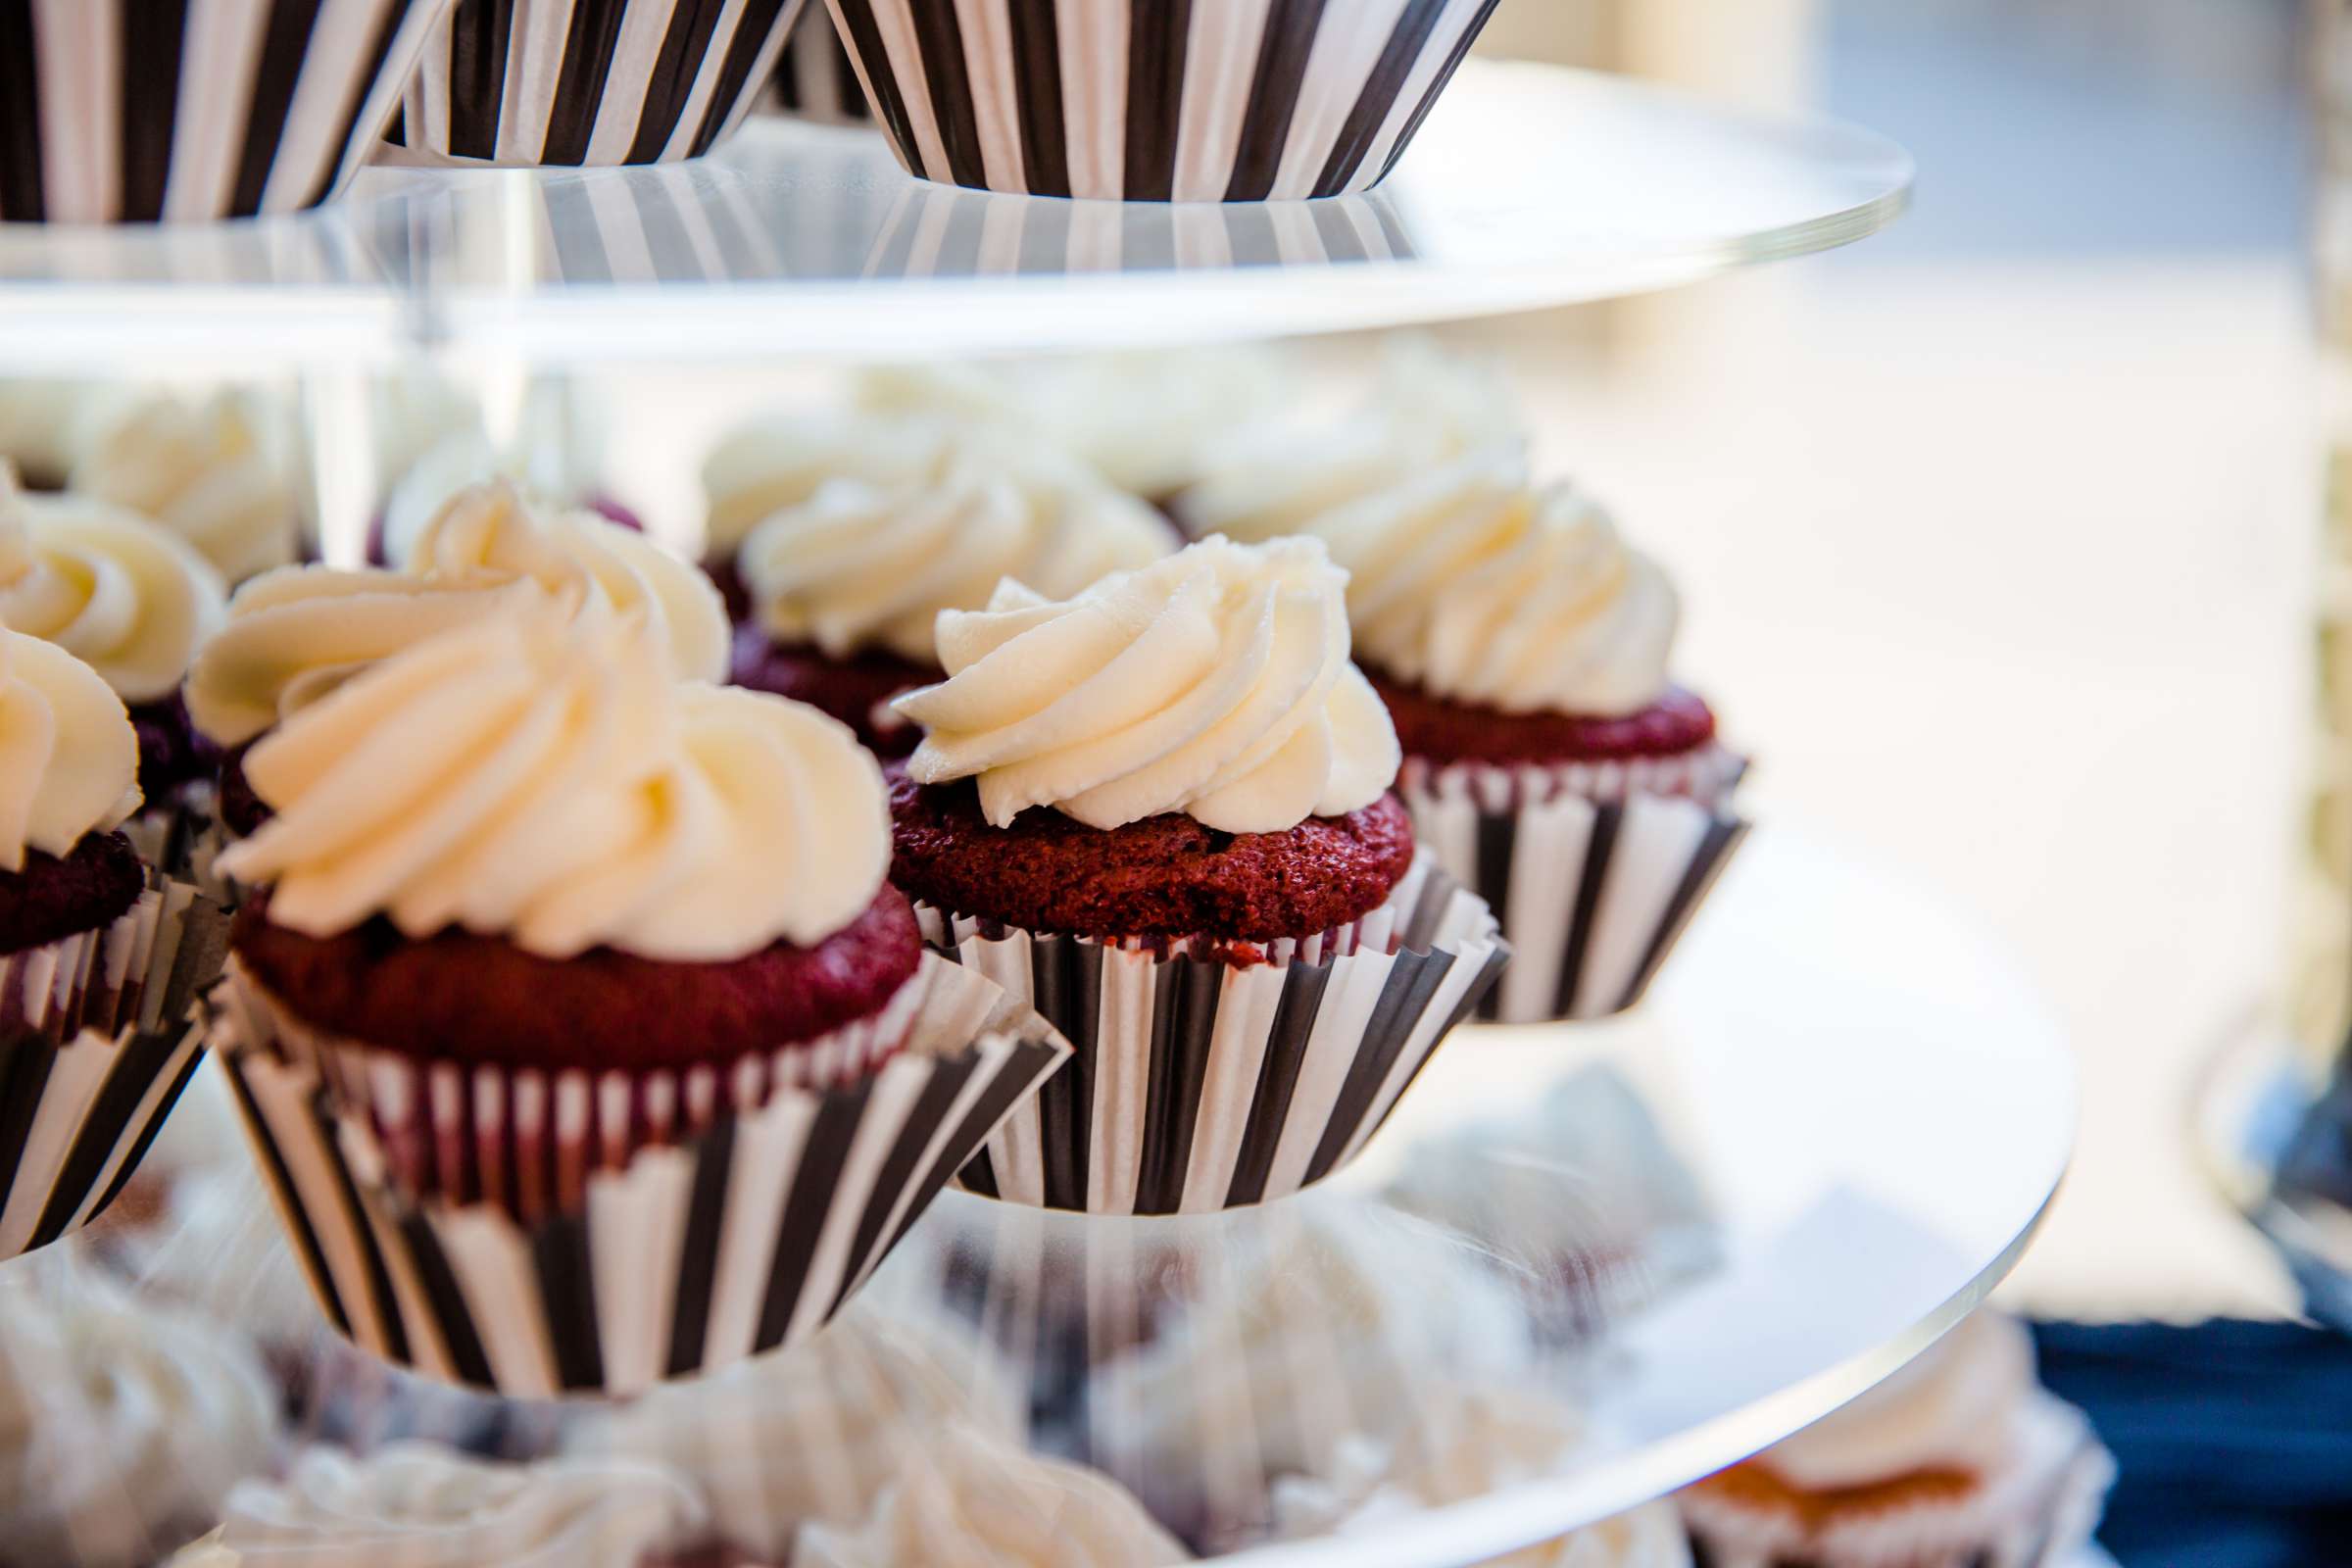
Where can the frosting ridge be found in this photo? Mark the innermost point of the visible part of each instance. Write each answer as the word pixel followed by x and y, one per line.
pixel 217 473
pixel 69 757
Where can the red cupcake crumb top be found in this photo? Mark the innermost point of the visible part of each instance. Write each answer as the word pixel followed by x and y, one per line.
pixel 482 999
pixel 851 690
pixel 1443 730
pixel 54 897
pixel 1165 876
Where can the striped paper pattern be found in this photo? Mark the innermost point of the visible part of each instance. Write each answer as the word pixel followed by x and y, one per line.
pixel 1156 100
pixel 814 79
pixel 135 111
pixel 597 82
pixel 1199 1084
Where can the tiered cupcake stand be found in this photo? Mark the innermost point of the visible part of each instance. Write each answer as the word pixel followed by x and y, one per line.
pixel 1828 1132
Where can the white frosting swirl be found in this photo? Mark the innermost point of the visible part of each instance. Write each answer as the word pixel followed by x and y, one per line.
pixel 860 565
pixel 1215 683
pixel 545 778
pixel 1953 1407
pixel 1426 409
pixel 970 1500
pixel 555 453
pixel 119 1427
pixel 219 474
pixel 68 758
pixel 297 634
pixel 783 460
pixel 413 1505
pixel 1473 586
pixel 107 586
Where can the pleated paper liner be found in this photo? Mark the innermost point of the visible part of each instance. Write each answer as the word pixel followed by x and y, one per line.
pixel 1592 871
pixel 1246 101
pixel 2038 1510
pixel 95 1047
pixel 527 83
pixel 132 110
pixel 741 1237
pixel 814 79
pixel 1200 1084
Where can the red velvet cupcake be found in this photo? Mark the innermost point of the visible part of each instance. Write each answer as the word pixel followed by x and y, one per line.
pixel 1165 804
pixel 589 960
pixel 1522 648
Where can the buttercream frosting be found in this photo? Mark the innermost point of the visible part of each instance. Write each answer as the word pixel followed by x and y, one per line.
pixel 555 453
pixel 296 634
pixel 68 758
pixel 107 586
pixel 782 460
pixel 543 776
pixel 861 565
pixel 121 1427
pixel 414 1505
pixel 1471 585
pixel 37 420
pixel 220 474
pixel 1952 1407
pixel 1215 682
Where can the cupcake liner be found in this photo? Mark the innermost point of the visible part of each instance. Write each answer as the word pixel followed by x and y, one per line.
pixel 1594 870
pixel 936 232
pixel 1203 1083
pixel 1236 101
pixel 2039 1511
pixel 814 79
pixel 531 83
pixel 180 837
pixel 735 1239
pixel 128 111
pixel 95 1047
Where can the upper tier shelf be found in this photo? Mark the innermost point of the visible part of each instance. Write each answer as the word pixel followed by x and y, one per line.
pixel 1530 186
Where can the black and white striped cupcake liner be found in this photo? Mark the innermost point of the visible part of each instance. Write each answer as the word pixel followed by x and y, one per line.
pixel 1594 870
pixel 1241 100
pixel 95 1047
pixel 529 83
pixel 739 1240
pixel 1200 1084
pixel 135 111
pixel 814 79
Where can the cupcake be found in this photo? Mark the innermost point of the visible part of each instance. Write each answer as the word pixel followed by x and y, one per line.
pixel 410 1505
pixel 222 475
pixel 132 602
pixel 529 83
pixel 814 79
pixel 1236 104
pixel 1524 649
pixel 37 417
pixel 99 957
pixel 845 588
pixel 1958 1459
pixel 579 955
pixel 1165 804
pixel 122 111
pixel 122 1426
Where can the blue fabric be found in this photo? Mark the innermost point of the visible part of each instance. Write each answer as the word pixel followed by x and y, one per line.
pixel 2233 1440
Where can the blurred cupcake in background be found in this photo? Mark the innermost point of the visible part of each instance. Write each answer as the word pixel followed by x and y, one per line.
pixel 1523 649
pixel 134 602
pixel 37 417
pixel 1960 1458
pixel 223 474
pixel 846 587
pixel 123 1424
pixel 1425 407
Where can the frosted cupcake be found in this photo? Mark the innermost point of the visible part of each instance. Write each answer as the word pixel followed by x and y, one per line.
pixel 1171 792
pixel 1960 1458
pixel 222 475
pixel 639 928
pixel 845 588
pixel 1524 649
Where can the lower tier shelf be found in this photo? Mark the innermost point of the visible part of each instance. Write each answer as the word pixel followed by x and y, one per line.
pixel 1582 1267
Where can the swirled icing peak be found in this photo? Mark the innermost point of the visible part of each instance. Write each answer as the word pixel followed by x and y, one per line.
pixel 556 452
pixel 1214 682
pixel 1951 1408
pixel 416 1505
pixel 220 473
pixel 105 585
pixel 1469 583
pixel 68 758
pixel 296 634
pixel 544 776
pixel 861 565
pixel 782 460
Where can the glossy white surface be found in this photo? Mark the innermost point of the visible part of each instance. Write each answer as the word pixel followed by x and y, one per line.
pixel 1529 186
